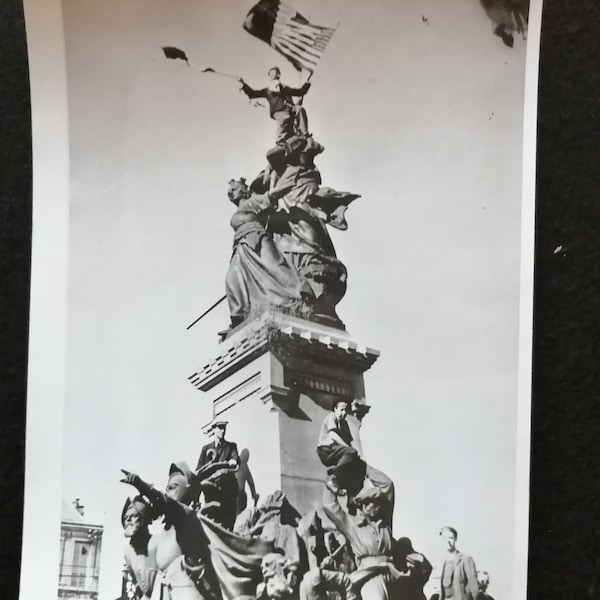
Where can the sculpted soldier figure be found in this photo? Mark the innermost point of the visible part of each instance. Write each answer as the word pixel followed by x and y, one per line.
pixel 244 477
pixel 376 575
pixel 278 579
pixel 290 117
pixel 199 560
pixel 140 552
pixel 170 556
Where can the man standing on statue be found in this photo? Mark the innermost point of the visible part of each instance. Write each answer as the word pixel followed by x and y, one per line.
pixel 222 490
pixel 219 450
pixel 290 117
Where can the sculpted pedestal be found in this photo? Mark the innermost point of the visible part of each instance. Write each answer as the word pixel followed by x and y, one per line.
pixel 274 379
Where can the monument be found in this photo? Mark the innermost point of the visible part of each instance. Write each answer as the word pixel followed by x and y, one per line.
pixel 319 526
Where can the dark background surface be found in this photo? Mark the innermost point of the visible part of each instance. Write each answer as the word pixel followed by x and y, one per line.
pixel 565 522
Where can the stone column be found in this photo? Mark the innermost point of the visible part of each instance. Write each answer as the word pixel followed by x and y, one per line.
pixel 274 379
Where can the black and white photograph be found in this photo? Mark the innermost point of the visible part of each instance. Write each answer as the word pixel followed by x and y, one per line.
pixel 288 352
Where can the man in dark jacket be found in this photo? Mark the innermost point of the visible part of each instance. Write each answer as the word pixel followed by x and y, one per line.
pixel 290 117
pixel 221 489
pixel 219 450
pixel 484 581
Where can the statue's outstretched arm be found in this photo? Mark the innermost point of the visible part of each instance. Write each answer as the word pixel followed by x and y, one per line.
pixel 143 487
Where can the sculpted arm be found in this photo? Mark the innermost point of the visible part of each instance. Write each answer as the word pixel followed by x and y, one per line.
pixel 144 488
pixel 334 510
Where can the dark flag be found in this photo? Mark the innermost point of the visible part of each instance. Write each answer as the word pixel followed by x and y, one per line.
pixel 174 53
pixel 286 30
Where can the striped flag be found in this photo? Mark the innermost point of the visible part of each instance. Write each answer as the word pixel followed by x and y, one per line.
pixel 286 30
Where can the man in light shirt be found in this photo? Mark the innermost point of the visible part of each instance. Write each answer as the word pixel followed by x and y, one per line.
pixel 459 574
pixel 345 468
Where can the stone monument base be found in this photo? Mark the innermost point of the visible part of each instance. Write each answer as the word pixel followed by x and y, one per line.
pixel 274 379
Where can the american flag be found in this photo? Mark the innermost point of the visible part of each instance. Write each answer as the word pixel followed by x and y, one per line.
pixel 291 34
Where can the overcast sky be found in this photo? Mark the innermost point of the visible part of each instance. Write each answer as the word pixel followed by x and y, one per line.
pixel 424 120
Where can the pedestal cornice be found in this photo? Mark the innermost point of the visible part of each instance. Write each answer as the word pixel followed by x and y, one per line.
pixel 298 344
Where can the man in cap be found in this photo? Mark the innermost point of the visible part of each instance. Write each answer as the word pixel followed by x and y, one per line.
pixel 219 450
pixel 370 538
pixel 459 574
pixel 221 490
pixel 291 118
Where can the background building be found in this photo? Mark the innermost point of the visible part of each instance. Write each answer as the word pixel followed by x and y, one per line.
pixel 80 546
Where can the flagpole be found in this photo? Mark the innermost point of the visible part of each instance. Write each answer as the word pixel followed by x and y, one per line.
pixel 206 312
pixel 215 72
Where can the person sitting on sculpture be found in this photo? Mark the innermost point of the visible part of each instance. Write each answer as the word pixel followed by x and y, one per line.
pixel 377 478
pixel 376 575
pixel 221 487
pixel 259 275
pixel 200 559
pixel 345 469
pixel 290 117
pixel 140 551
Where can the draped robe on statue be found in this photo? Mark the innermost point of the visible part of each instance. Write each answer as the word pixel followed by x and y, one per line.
pixel 259 274
pixel 300 233
pixel 227 565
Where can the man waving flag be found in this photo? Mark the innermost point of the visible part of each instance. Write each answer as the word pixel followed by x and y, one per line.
pixel 291 34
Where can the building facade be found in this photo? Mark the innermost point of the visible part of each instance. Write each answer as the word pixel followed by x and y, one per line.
pixel 80 546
